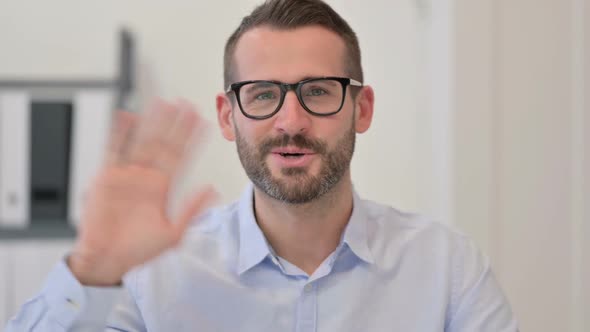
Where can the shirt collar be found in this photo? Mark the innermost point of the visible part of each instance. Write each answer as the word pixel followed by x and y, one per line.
pixel 253 247
pixel 356 235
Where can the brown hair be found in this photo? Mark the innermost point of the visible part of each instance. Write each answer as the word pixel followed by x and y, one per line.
pixel 291 14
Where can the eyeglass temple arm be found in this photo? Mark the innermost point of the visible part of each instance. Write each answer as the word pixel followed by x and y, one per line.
pixel 355 82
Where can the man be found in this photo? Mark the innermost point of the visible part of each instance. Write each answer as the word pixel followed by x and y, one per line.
pixel 300 251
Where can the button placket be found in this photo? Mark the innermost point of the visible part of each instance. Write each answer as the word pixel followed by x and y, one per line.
pixel 307 311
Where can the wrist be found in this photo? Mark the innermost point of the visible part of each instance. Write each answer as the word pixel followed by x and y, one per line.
pixel 87 273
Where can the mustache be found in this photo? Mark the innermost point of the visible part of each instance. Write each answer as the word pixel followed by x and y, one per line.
pixel 299 141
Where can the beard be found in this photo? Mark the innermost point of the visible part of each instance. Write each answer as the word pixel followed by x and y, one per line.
pixel 297 186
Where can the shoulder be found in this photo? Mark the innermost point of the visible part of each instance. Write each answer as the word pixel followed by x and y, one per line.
pixel 394 233
pixel 409 226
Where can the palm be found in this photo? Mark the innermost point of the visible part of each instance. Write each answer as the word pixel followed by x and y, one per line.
pixel 125 221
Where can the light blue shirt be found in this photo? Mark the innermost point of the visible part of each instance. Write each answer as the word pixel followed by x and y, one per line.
pixel 391 272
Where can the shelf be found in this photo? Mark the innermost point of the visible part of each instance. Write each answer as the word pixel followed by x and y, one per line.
pixel 48 230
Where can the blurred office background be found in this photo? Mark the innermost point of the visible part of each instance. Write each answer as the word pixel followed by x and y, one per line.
pixel 482 122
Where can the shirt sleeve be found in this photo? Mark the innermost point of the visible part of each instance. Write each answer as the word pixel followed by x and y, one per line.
pixel 65 305
pixel 477 301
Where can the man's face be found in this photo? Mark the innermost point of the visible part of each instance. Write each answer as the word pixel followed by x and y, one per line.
pixel 293 156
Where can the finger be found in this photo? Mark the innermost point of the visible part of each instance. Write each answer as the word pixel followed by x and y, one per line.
pixel 187 124
pixel 188 120
pixel 150 141
pixel 123 125
pixel 196 137
pixel 196 206
pixel 151 132
pixel 200 124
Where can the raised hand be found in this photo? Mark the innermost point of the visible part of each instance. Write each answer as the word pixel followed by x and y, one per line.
pixel 125 221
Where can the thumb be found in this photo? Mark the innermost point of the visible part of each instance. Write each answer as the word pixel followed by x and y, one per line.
pixel 194 206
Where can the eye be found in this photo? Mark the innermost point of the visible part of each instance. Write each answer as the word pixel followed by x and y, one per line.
pixel 265 96
pixel 316 92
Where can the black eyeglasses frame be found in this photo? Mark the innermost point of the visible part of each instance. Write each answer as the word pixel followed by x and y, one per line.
pixel 296 87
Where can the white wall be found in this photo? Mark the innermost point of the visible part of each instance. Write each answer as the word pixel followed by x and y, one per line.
pixel 522 141
pixel 585 201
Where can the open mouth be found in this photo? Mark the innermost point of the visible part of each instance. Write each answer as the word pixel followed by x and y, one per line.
pixel 292 155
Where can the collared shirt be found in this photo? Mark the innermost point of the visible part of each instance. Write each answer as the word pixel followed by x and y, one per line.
pixel 391 272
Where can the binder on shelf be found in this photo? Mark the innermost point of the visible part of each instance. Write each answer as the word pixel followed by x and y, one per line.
pixel 49 168
pixel 91 125
pixel 14 158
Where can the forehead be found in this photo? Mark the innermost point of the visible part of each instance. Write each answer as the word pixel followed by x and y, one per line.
pixel 289 55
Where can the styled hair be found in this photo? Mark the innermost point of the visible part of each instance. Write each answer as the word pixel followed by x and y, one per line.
pixel 291 14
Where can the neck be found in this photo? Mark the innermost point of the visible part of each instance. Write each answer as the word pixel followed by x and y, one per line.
pixel 305 234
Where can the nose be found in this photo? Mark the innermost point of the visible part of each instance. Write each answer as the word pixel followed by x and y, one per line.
pixel 292 118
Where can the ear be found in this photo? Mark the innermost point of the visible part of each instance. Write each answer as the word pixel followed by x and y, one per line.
pixel 224 116
pixel 364 103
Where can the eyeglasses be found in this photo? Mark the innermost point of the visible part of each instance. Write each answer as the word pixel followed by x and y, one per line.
pixel 321 96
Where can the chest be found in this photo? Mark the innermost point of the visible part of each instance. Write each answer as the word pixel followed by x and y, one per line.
pixel 357 298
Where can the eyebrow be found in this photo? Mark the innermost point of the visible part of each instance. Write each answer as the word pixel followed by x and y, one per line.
pixel 258 86
pixel 333 83
pixel 302 79
pixel 312 77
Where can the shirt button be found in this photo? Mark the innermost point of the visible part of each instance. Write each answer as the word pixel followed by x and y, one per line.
pixel 72 303
pixel 308 288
